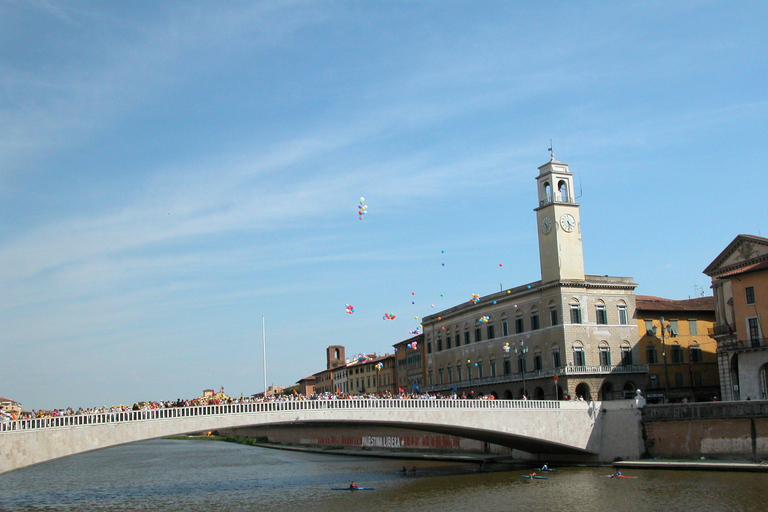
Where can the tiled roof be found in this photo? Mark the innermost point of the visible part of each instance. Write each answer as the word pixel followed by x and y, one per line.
pixel 762 265
pixel 650 303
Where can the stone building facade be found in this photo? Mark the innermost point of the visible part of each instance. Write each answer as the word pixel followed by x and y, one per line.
pixel 567 335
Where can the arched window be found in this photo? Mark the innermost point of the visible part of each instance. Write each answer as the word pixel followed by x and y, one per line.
pixel 535 324
pixel 605 353
pixel 519 324
pixel 575 311
pixel 553 313
pixel 556 363
pixel 677 354
pixel 578 354
pixel 622 311
pixel 547 192
pixel 537 362
pixel 695 355
pixel 626 354
pixel 651 354
pixel 601 315
pixel 562 191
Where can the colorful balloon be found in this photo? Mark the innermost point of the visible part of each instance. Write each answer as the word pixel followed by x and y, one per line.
pixel 350 309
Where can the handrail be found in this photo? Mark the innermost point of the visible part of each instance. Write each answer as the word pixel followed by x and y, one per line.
pixel 75 420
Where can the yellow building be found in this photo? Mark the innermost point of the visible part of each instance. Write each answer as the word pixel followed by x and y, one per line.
pixel 409 363
pixel 675 344
pixel 740 285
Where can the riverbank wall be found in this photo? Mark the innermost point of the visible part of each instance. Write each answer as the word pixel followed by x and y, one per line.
pixel 711 430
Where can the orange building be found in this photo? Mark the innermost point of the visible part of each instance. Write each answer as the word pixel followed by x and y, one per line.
pixel 675 344
pixel 740 285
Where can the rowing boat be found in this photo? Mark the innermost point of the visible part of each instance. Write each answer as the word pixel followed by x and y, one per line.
pixel 617 476
pixel 352 488
pixel 545 469
pixel 536 477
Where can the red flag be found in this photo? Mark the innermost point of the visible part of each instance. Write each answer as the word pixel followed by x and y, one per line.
pixel 400 390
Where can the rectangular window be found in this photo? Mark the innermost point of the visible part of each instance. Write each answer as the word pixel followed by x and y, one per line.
pixel 692 327
pixel 673 326
pixel 480 371
pixel 553 315
pixel 556 359
pixel 623 314
pixel 450 374
pixel 677 354
pixel 491 333
pixel 478 334
pixel 678 380
pixel 600 315
pixel 695 355
pixel 493 369
pixel 535 321
pixel 648 326
pixel 697 379
pixel 439 344
pixel 447 341
pixel 575 314
pixel 458 373
pixel 653 381
pixel 519 326
pixel 440 372
pixel 504 328
pixel 537 362
pixel 466 337
pixel 507 367
pixel 754 331
pixel 652 355
pixel 750 291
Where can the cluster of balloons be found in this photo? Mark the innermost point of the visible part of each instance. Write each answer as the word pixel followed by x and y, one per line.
pixel 507 348
pixel 415 331
pixel 413 345
pixel 388 316
pixel 362 208
pixel 484 319
pixel 350 309
pixel 475 298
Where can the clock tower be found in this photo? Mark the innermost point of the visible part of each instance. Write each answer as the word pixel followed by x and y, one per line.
pixel 560 252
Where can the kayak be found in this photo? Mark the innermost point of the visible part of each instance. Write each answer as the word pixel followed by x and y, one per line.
pixel 617 476
pixel 547 469
pixel 537 477
pixel 352 488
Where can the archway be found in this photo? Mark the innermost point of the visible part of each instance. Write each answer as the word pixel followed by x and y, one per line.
pixel 606 391
pixel 538 393
pixel 629 390
pixel 582 390
pixel 734 378
pixel 495 395
pixel 560 392
pixel 508 395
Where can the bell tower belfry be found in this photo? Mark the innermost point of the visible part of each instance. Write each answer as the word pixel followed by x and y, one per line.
pixel 561 254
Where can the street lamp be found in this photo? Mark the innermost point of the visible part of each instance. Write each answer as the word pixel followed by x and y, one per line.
pixel 664 355
pixel 521 351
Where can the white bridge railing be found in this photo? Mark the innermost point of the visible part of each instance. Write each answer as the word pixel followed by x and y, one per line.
pixel 268 407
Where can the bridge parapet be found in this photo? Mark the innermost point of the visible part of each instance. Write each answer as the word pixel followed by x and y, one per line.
pixel 260 407
pixel 533 426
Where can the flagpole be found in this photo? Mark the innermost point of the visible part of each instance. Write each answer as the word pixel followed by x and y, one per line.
pixel 264 353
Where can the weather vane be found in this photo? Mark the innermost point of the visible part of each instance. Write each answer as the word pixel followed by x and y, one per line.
pixel 551 153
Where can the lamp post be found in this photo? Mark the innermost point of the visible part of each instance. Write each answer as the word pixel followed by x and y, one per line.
pixel 664 356
pixel 521 351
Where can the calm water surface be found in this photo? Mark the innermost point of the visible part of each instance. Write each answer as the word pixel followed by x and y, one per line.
pixel 192 476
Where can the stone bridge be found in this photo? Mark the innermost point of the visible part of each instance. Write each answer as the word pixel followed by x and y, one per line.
pixel 586 430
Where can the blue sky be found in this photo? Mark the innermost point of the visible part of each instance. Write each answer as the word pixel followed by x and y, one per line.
pixel 172 171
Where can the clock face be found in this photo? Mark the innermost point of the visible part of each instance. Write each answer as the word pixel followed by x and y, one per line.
pixel 546 225
pixel 567 222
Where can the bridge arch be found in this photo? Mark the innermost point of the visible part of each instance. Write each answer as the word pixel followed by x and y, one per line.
pixel 582 390
pixel 532 426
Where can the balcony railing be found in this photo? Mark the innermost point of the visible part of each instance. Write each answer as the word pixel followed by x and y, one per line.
pixel 539 374
pixel 736 344
pixel 721 330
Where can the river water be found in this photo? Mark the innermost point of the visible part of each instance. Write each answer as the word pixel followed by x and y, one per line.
pixel 192 476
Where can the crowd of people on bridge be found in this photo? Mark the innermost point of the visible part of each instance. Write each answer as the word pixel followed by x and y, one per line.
pixel 226 400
